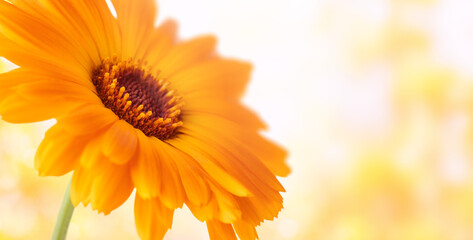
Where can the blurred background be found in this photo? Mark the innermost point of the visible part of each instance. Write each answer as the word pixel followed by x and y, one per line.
pixel 372 98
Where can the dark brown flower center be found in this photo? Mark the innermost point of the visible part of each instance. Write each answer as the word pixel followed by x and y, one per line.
pixel 138 97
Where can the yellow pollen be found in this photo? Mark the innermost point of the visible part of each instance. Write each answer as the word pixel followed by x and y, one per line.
pixel 120 93
pixel 142 115
pixel 127 105
pixel 138 109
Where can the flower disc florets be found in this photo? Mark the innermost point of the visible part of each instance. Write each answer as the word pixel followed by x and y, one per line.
pixel 136 96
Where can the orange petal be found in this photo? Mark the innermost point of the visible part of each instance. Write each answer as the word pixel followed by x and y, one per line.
pixel 202 156
pixel 57 91
pixel 217 77
pixel 172 192
pixel 29 62
pixel 136 20
pixel 245 231
pixel 84 16
pixel 120 142
pixel 152 218
pixel 39 98
pixel 218 231
pixel 186 54
pixel 205 212
pixel 95 41
pixel 228 210
pixel 223 207
pixel 146 171
pixel 81 186
pixel 88 119
pixel 106 186
pixel 269 153
pixel 230 110
pixel 17 109
pixel 258 208
pixel 92 154
pixel 112 187
pixel 59 152
pixel 192 176
pixel 159 43
pixel 36 34
pixel 234 157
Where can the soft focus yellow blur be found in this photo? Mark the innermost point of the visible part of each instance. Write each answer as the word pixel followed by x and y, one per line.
pixel 372 98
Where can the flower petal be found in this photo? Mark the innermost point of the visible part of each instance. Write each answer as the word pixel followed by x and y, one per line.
pixel 146 171
pixel 152 218
pixel 136 20
pixel 120 142
pixel 156 174
pixel 18 109
pixel 202 156
pixel 88 119
pixel 185 55
pixel 260 207
pixel 172 193
pixel 37 35
pixel 234 157
pixel 159 44
pixel 81 186
pixel 59 152
pixel 218 230
pixel 269 153
pixel 29 96
pixel 245 231
pixel 106 186
pixel 192 176
pixel 111 188
pixel 217 77
pixel 230 110
pixel 92 154
pixel 55 91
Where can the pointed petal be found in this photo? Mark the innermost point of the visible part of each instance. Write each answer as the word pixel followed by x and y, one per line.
pixel 192 176
pixel 186 54
pixel 218 230
pixel 81 186
pixel 269 153
pixel 59 152
pixel 245 231
pixel 202 156
pixel 234 157
pixel 146 171
pixel 105 186
pixel 88 119
pixel 228 109
pixel 38 35
pixel 152 218
pixel 17 109
pixel 172 192
pixel 220 78
pixel 111 188
pixel 136 20
pixel 259 208
pixel 120 142
pixel 159 43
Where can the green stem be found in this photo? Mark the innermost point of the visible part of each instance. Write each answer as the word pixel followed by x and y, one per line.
pixel 64 216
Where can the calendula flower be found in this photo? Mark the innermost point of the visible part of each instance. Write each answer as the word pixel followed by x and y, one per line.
pixel 135 108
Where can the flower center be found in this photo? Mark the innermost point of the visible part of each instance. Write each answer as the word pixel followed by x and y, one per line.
pixel 138 97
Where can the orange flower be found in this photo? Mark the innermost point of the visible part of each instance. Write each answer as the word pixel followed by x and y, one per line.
pixel 137 109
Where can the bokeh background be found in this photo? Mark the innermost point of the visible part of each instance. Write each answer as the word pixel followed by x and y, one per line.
pixel 372 98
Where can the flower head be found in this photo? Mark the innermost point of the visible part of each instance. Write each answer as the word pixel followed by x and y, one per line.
pixel 135 108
